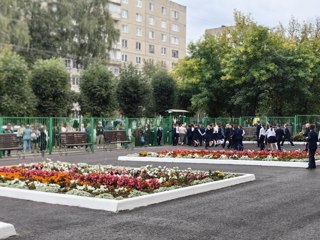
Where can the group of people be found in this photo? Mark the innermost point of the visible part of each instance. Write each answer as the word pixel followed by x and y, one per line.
pixel 273 137
pixel 213 135
pixel 31 137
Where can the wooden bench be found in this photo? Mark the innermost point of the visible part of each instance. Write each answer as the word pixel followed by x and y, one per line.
pixel 73 139
pixel 9 141
pixel 114 137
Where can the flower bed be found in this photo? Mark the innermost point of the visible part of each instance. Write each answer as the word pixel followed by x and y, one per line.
pixel 285 156
pixel 102 181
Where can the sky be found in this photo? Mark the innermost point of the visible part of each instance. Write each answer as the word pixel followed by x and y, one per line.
pixel 203 14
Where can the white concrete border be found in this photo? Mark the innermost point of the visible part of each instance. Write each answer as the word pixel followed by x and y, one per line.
pixel 6 230
pixel 216 161
pixel 125 204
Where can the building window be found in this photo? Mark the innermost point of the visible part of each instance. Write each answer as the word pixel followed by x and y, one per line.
pixel 175 53
pixel 163 10
pixel 163 37
pixel 175 14
pixel 163 63
pixel 151 21
pixel 124 58
pixel 75 80
pixel 124 43
pixel 151 35
pixel 151 49
pixel 163 24
pixel 163 51
pixel 125 28
pixel 138 46
pixel 124 14
pixel 68 63
pixel 175 40
pixel 139 3
pixel 125 1
pixel 175 27
pixel 138 17
pixel 138 60
pixel 139 31
pixel 151 7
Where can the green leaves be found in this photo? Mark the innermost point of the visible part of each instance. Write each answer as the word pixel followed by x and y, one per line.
pixel 97 91
pixel 50 83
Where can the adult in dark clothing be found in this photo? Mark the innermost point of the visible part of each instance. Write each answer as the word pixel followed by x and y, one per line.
pixel 305 134
pixel 209 136
pixel 287 135
pixel 220 135
pixel 202 131
pixel 196 136
pixel 279 136
pixel 227 136
pixel 258 133
pixel 42 141
pixel 190 131
pixel 238 138
pixel 312 140
pixel 159 135
pixel 174 135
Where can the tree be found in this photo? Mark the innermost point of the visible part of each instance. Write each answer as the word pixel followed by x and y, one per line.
pixel 13 28
pixel 133 92
pixel 79 29
pixel 16 96
pixel 97 91
pixel 51 85
pixel 164 91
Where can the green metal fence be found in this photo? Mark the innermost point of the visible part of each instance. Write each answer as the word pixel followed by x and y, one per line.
pixel 142 131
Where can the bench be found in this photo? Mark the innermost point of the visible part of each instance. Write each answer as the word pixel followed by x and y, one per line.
pixel 73 139
pixel 116 137
pixel 9 141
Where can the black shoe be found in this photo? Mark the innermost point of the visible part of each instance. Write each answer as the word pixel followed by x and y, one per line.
pixel 310 168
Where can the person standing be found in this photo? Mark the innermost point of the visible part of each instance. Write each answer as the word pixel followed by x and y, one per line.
pixel 227 136
pixel 99 134
pixel 182 134
pixel 8 130
pixel 262 136
pixel 271 137
pixel 287 135
pixel 258 133
pixel 312 140
pixel 190 131
pixel 27 138
pixel 42 140
pixel 209 136
pixel 159 135
pixel 279 136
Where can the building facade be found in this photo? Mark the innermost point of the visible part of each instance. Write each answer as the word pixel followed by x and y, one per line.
pixel 150 30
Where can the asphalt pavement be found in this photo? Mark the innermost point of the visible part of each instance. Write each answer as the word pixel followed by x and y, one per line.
pixel 283 203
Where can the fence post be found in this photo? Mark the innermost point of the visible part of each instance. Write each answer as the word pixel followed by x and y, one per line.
pixel 170 128
pixel 92 135
pixel 295 127
pixel 51 137
pixel 127 127
pixel 1 124
pixel 240 121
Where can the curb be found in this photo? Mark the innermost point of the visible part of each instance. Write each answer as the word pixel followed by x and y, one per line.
pixel 213 161
pixel 7 230
pixel 125 204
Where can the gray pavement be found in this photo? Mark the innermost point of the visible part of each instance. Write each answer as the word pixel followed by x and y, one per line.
pixel 281 204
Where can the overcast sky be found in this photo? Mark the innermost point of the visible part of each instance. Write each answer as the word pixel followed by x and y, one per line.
pixel 203 14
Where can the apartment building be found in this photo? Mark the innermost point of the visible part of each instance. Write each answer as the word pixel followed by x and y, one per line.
pixel 150 30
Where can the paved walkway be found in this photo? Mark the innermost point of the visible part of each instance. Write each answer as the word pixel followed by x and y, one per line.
pixel 281 204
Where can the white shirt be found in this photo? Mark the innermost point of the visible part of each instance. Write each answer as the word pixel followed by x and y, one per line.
pixel 262 132
pixel 270 133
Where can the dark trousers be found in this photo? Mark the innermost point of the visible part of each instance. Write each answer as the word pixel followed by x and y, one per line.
pixel 261 140
pixel 287 139
pixel 159 140
pixel 279 144
pixel 258 141
pixel 312 161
